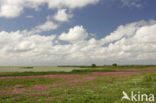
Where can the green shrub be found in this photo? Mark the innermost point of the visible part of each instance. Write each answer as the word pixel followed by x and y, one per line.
pixel 114 64
pixel 93 65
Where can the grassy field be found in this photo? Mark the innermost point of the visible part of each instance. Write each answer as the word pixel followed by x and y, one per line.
pixel 35 68
pixel 103 84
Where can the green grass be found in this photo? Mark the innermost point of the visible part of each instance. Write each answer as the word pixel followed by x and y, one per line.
pixel 80 71
pixel 103 92
pixel 101 89
pixel 35 69
pixel 4 69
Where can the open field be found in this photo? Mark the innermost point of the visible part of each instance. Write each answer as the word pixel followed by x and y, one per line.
pixel 35 68
pixel 80 85
pixel 61 68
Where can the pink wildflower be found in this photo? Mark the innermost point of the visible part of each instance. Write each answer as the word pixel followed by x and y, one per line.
pixel 19 86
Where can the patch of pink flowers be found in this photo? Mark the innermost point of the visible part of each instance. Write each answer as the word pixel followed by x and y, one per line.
pixel 41 87
pixel 76 80
pixel 19 86
pixel 89 78
pixel 55 85
pixel 115 73
pixel 20 91
pixel 44 87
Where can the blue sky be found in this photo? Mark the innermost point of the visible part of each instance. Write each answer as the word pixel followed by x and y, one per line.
pixel 102 18
pixel 73 25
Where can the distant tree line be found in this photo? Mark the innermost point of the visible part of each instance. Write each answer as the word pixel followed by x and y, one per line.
pixel 114 64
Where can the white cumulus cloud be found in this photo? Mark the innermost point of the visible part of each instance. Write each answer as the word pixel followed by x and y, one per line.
pixel 47 26
pixel 13 8
pixel 133 43
pixel 62 16
pixel 77 33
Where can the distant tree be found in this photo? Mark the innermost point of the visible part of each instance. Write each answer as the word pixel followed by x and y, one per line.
pixel 93 65
pixel 115 64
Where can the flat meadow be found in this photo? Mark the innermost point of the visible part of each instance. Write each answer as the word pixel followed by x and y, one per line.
pixel 75 84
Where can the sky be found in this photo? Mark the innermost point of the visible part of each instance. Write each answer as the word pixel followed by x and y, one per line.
pixel 77 32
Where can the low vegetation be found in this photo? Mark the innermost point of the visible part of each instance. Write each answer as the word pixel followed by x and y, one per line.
pixel 85 85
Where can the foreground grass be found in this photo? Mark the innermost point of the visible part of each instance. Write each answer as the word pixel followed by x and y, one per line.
pixel 75 88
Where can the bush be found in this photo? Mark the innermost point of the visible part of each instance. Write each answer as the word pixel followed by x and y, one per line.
pixel 114 64
pixel 93 65
pixel 28 67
